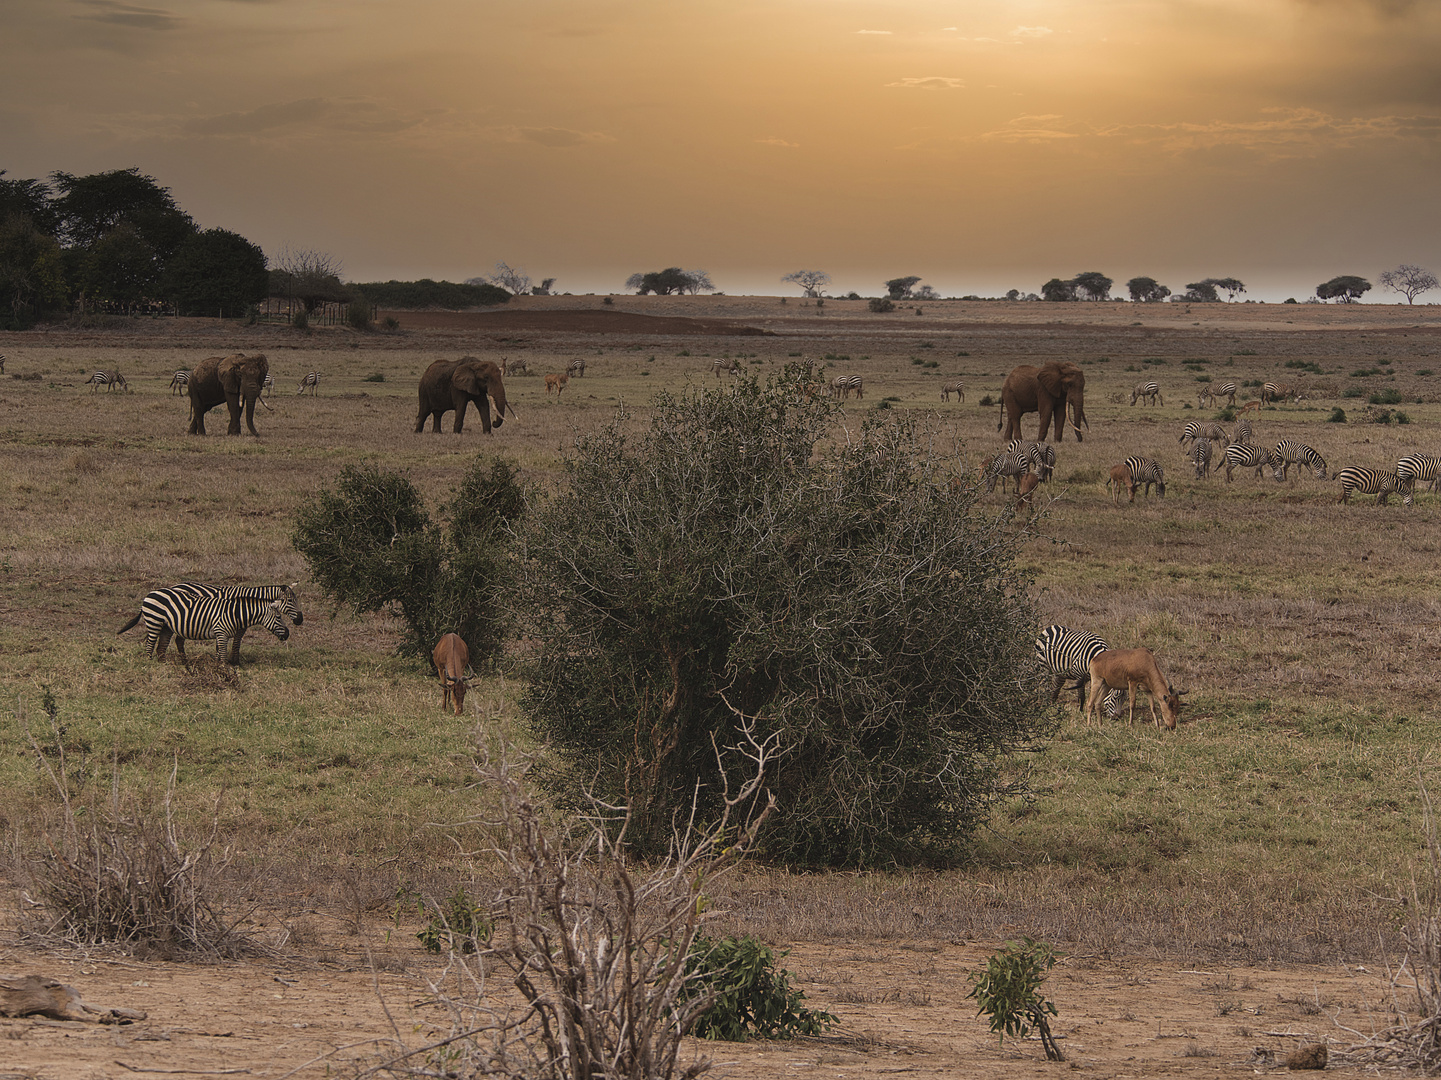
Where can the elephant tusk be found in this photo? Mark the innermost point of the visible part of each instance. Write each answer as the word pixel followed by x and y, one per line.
pixel 265 403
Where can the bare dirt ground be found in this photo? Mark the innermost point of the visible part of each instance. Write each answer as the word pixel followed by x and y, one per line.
pixel 338 1007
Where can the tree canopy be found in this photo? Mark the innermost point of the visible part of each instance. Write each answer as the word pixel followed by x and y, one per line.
pixel 216 272
pixel 810 281
pixel 1147 290
pixel 901 288
pixel 1092 285
pixel 426 293
pixel 1345 289
pixel 1058 290
pixel 672 280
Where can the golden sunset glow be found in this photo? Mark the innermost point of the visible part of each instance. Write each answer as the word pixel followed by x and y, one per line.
pixel 984 146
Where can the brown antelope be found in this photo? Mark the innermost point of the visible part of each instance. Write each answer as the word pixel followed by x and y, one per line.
pixel 1248 406
pixel 452 664
pixel 556 383
pixel 1025 485
pixel 1120 478
pixel 1127 669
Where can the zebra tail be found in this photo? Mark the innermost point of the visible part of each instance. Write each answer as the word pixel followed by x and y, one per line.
pixel 130 624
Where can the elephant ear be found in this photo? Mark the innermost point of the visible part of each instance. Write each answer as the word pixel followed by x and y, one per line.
pixel 1051 377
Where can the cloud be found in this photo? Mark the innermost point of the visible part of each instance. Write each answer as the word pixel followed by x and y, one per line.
pixel 929 82
pixel 773 141
pixel 1282 133
pixel 265 118
pixel 129 15
pixel 557 137
pixel 874 31
pixel 1035 128
pixel 1031 31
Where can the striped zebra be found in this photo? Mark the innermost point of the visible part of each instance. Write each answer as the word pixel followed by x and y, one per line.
pixel 2 363
pixel 1274 392
pixel 290 604
pixel 953 387
pixel 179 382
pixel 311 382
pixel 576 367
pixel 182 614
pixel 1198 429
pixel 1201 456
pixel 1415 467
pixel 267 386
pixel 1241 455
pixel 1213 392
pixel 842 385
pixel 1067 654
pixel 721 367
pixel 108 379
pixel 1242 432
pixel 1148 390
pixel 1014 461
pixel 1291 452
pixel 1042 456
pixel 1378 482
pixel 514 367
pixel 1146 471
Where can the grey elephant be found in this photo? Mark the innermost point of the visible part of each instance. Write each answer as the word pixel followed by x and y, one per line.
pixel 235 380
pixel 454 384
pixel 1053 391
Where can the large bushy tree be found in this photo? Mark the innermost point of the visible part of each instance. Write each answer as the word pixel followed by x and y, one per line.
pixel 713 570
pixel 672 280
pixel 1345 289
pixel 216 272
pixel 90 208
pixel 32 270
pixel 1147 290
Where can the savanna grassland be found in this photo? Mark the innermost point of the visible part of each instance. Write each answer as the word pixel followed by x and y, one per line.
pixel 1279 825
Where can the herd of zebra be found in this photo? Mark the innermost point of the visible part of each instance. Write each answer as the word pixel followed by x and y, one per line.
pixel 1270 392
pixel 221 613
pixel 180 382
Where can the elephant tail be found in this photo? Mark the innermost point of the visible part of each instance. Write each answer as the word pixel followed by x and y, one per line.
pixel 129 625
pixel 1001 416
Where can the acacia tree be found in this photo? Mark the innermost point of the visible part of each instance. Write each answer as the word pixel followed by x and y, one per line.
pixel 1147 290
pixel 810 281
pixel 1092 285
pixel 672 280
pixel 312 277
pixel 1058 290
pixel 901 288
pixel 1410 281
pixel 1345 289
pixel 712 574
pixel 511 278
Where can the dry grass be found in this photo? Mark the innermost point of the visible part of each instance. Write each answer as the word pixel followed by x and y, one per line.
pixel 1277 823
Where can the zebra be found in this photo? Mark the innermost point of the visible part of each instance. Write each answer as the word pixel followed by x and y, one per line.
pixel 854 383
pixel 1242 432
pixel 721 367
pixel 953 387
pixel 1419 467
pixel 576 367
pixel 1241 455
pixel 1014 461
pixel 1378 482
pixel 267 385
pixel 1146 471
pixel 1042 456
pixel 179 382
pixel 1196 429
pixel 842 385
pixel 1291 452
pixel 1201 455
pixel 1272 392
pixel 311 382
pixel 1212 392
pixel 1149 390
pixel 1067 654
pixel 283 593
pixel 184 614
pixel 2 363
pixel 108 379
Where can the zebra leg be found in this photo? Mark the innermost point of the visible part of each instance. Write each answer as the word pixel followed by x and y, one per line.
pixel 180 648
pixel 1059 681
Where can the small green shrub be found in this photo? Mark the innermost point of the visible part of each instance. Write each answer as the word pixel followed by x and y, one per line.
pixel 963 353
pixel 931 364
pixel 357 315
pixel 390 323
pixel 1228 414
pixel 987 400
pixel 1353 391
pixel 926 345
pixel 1361 373
pixel 1246 352
pixel 1008 991
pixel 375 376
pixel 608 301
pixel 1425 371
pixel 1155 361
pixel 1338 416
pixel 1389 396
pixel 300 320
pixel 1306 365
pixel 752 995
pixel 1402 418
pixel 882 304
pixel 916 360
pixel 683 352
pixel 457 925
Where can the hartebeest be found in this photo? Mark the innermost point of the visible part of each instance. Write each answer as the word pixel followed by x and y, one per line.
pixel 1127 669
pixel 556 382
pixel 452 663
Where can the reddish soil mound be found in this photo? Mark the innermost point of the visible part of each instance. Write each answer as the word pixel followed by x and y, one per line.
pixel 578 322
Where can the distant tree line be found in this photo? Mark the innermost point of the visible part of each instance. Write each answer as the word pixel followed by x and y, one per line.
pixel 670 281
pixel 116 241
pixel 426 293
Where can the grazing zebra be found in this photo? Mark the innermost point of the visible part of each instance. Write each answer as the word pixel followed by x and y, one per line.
pixel 842 385
pixel 1012 461
pixel 1289 452
pixel 953 387
pixel 576 367
pixel 1148 390
pixel 513 367
pixel 1378 482
pixel 267 386
pixel 179 382
pixel 855 383
pixel 1419 467
pixel 1213 392
pixel 1146 471
pixel 1201 456
pixel 1042 456
pixel 184 614
pixel 311 382
pixel 2 363
pixel 1242 432
pixel 108 379
pixel 1272 392
pixel 720 367
pixel 1197 429
pixel 1241 455
pixel 1067 654
pixel 283 593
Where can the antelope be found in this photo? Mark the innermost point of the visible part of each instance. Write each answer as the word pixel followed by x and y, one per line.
pixel 452 664
pixel 556 383
pixel 1120 478
pixel 1127 669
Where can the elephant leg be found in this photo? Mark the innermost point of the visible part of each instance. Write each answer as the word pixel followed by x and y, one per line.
pixel 483 407
pixel 460 407
pixel 250 416
pixel 420 420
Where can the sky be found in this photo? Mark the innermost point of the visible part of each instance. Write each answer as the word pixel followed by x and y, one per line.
pixel 981 145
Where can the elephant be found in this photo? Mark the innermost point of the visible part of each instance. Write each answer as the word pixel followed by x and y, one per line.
pixel 454 384
pixel 1048 390
pixel 236 380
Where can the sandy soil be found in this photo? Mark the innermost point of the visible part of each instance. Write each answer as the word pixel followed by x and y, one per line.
pixel 901 1004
